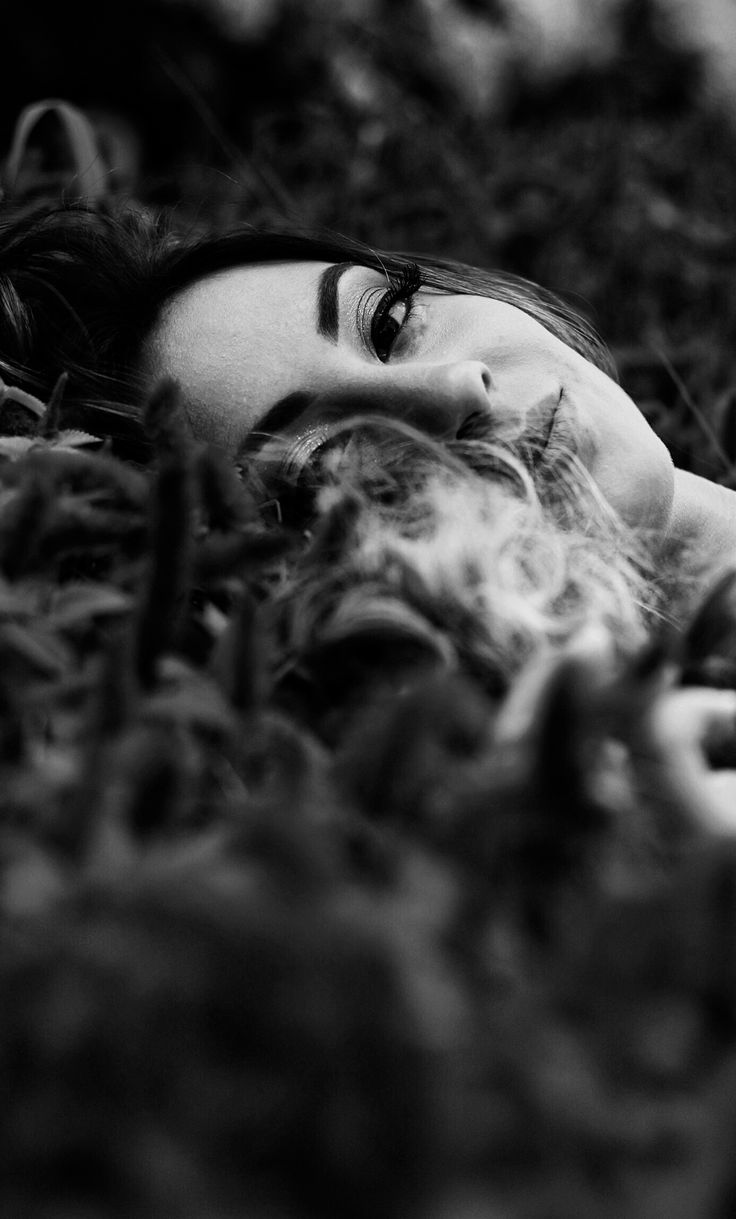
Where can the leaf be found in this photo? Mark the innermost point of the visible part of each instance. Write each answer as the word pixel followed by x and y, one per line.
pixel 163 603
pixel 75 439
pixel 201 706
pixel 88 169
pixel 21 397
pixel 38 649
pixel 381 618
pixel 166 422
pixel 240 659
pixel 50 420
pixel 32 882
pixel 17 601
pixel 14 447
pixel 79 603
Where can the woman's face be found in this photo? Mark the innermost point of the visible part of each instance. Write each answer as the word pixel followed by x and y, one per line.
pixel 342 340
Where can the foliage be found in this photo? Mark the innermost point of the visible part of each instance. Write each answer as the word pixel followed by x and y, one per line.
pixel 273 946
pixel 416 964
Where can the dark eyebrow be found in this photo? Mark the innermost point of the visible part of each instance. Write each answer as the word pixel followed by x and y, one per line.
pixel 328 319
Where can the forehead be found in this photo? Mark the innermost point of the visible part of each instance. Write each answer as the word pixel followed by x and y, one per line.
pixel 266 297
pixel 237 341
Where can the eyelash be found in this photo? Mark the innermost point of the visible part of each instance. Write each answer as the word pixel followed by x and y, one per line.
pixel 403 289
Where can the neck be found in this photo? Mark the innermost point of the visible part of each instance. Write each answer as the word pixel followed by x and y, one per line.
pixel 703 528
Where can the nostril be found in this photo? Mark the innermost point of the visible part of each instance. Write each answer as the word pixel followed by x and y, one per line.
pixel 473 427
pixel 486 378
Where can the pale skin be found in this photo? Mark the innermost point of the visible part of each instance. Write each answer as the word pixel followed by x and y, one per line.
pixel 243 339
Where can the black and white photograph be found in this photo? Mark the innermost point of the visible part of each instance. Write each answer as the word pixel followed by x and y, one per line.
pixel 368 609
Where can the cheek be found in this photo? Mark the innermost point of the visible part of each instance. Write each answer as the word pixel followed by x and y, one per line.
pixel 218 405
pixel 527 363
pixel 613 440
pixel 629 462
pixel 225 389
pixel 638 481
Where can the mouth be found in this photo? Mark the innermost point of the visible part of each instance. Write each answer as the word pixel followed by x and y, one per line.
pixel 539 442
pixel 537 445
pixel 551 424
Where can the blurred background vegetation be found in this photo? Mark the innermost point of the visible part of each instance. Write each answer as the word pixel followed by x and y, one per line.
pixel 586 144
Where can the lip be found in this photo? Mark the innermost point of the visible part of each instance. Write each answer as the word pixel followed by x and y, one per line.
pixel 541 437
pixel 552 424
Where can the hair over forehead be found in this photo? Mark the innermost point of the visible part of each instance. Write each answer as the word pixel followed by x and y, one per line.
pixel 244 246
pixel 81 288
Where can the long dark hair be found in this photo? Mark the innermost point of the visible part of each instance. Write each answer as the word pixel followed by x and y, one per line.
pixel 81 287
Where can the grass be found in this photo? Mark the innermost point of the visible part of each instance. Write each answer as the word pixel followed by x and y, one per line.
pixel 409 973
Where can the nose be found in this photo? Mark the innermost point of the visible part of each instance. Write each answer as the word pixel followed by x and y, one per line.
pixel 437 398
pixel 442 400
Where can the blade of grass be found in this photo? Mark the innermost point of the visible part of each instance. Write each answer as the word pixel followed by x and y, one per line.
pixel 698 415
